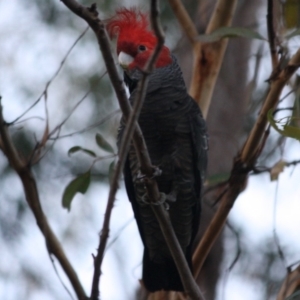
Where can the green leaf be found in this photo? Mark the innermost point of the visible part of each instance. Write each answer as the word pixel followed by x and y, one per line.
pixel 273 122
pixel 229 32
pixel 73 150
pixel 78 148
pixel 103 144
pixel 89 152
pixel 288 130
pixel 292 132
pixel 78 185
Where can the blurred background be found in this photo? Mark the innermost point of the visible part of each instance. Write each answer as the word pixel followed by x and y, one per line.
pixel 35 38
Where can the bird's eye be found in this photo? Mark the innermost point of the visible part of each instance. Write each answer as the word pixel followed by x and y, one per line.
pixel 142 48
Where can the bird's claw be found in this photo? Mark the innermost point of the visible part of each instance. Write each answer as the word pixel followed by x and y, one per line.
pixel 140 176
pixel 162 199
pixel 156 172
pixel 171 197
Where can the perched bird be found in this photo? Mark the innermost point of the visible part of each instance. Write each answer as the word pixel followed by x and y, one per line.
pixel 175 135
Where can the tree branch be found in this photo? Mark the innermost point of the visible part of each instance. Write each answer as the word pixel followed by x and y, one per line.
pixel 44 93
pixel 277 84
pixel 32 197
pixel 208 57
pixel 272 35
pixel 243 164
pixel 290 286
pixel 90 15
pixel 184 19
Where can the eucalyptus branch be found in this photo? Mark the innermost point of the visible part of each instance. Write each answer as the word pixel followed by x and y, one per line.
pixel 272 35
pixel 90 15
pixel 161 214
pixel 44 93
pixel 273 95
pixel 260 170
pixel 244 163
pixel 59 126
pixel 208 57
pixel 290 286
pixel 184 19
pixel 207 61
pixel 23 170
pixel 94 125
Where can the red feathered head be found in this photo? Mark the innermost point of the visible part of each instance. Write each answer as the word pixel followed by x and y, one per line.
pixel 135 39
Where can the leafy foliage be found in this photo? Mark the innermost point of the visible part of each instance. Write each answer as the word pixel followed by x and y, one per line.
pixel 78 185
pixel 287 129
pixel 78 148
pixel 103 144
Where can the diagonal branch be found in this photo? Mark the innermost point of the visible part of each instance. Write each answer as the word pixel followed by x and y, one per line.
pixel 90 15
pixel 32 197
pixel 184 19
pixel 208 61
pixel 208 57
pixel 244 163
pixel 271 101
pixel 272 34
pixel 290 286
pixel 45 91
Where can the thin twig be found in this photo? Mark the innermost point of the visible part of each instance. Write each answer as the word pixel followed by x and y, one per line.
pixel 123 227
pixel 244 163
pixel 161 214
pixel 32 197
pixel 275 235
pixel 273 95
pixel 208 57
pixel 58 127
pixel 59 277
pixel 37 154
pixel 290 285
pixel 235 259
pixel 238 246
pixel 184 19
pixel 44 93
pixel 272 35
pixel 97 124
pixel 91 16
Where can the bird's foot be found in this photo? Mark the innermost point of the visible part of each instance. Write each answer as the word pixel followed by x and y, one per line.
pixel 162 199
pixel 141 177
pixel 171 197
pixel 156 172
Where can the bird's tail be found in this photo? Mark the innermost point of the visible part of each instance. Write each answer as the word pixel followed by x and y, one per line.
pixel 162 276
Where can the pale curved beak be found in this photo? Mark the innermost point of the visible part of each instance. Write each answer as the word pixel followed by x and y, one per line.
pixel 125 60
